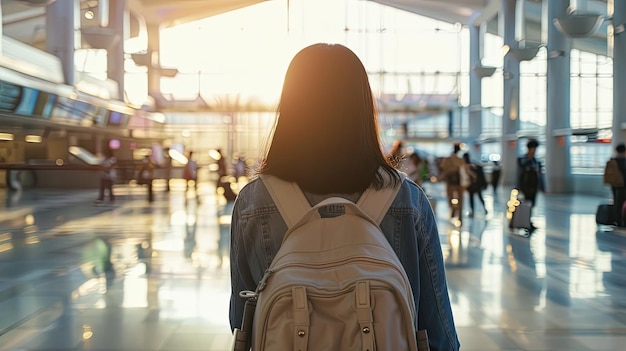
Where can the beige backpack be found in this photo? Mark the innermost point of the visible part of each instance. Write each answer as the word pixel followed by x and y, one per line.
pixel 335 283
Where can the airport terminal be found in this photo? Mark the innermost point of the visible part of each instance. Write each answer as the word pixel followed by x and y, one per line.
pixel 161 85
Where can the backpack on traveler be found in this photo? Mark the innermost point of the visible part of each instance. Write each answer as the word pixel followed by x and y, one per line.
pixel 529 180
pixel 612 174
pixel 334 284
pixel 480 183
pixel 451 170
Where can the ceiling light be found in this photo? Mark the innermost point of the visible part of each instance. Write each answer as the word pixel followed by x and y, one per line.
pixel 579 25
pixel 31 138
pixel 6 136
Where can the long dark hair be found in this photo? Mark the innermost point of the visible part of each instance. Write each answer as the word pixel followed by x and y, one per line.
pixel 326 135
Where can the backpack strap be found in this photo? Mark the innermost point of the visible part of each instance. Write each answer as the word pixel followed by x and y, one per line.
pixel 375 203
pixel 290 200
pixel 292 204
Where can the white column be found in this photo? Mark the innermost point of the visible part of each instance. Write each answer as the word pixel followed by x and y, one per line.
pixel 475 95
pixel 558 160
pixel 619 73
pixel 510 117
pixel 62 34
pixel 115 52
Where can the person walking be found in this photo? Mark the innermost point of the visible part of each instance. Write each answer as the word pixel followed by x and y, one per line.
pixel 451 175
pixel 107 177
pixel 496 171
pixel 530 170
pixel 224 179
pixel 477 184
pixel 417 168
pixel 145 176
pixel 167 169
pixel 336 105
pixel 190 172
pixel 530 177
pixel 618 188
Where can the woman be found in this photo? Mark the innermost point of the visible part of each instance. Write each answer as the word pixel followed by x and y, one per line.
pixel 326 141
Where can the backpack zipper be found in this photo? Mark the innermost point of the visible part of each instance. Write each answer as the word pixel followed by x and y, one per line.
pixel 370 260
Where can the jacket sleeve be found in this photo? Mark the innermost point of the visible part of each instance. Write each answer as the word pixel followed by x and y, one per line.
pixel 240 275
pixel 434 309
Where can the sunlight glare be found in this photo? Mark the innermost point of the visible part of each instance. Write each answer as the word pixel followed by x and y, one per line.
pixel 243 52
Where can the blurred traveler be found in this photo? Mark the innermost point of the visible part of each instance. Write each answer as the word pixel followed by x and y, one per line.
pixel 239 167
pixel 222 171
pixel 191 226
pixel 451 175
pixel 168 169
pixel 615 176
pixel 190 172
pixel 496 170
pixel 145 176
pixel 477 184
pixel 530 179
pixel 107 177
pixel 223 186
pixel 415 168
pixel 336 105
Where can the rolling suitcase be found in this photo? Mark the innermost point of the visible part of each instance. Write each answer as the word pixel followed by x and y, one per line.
pixel 521 216
pixel 605 214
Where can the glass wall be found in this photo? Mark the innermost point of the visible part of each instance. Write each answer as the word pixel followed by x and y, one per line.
pixel 492 87
pixel 591 91
pixel 239 58
pixel 591 111
pixel 533 97
pixel 242 56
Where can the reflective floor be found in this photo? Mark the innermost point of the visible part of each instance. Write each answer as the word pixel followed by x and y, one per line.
pixel 136 275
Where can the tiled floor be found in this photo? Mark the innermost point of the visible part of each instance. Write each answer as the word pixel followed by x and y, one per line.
pixel 562 288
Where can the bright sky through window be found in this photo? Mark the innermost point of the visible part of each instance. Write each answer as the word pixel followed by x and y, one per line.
pixel 241 56
pixel 243 52
pixel 246 52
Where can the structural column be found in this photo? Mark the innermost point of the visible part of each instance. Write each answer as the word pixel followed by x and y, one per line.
pixel 153 62
pixel 558 165
pixel 63 35
pixel 475 94
pixel 1 29
pixel 510 117
pixel 619 72
pixel 115 52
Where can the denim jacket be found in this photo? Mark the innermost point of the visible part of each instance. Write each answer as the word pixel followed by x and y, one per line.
pixel 257 230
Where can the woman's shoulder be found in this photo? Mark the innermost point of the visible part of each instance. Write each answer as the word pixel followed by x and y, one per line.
pixel 252 188
pixel 409 190
pixel 254 195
